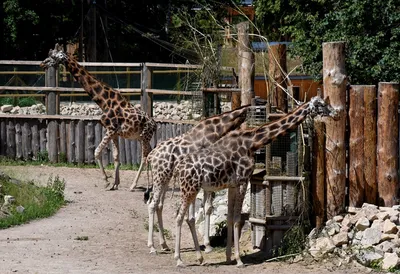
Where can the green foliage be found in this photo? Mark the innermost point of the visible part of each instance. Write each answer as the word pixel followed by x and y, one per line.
pixel 15 101
pixel 294 241
pixel 371 30
pixel 43 156
pixel 39 202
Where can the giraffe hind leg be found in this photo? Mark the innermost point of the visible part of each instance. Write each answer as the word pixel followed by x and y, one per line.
pixel 146 148
pixel 97 156
pixel 116 163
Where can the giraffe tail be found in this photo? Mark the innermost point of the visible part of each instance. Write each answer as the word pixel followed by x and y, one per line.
pixel 148 194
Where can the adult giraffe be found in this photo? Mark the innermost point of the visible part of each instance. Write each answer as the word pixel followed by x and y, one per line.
pixel 120 117
pixel 229 163
pixel 166 154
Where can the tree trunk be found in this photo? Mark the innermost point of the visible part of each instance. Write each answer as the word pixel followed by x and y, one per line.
pixel 387 146
pixel 277 71
pixel 334 77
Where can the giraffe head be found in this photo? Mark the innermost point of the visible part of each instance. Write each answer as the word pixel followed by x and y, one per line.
pixel 319 106
pixel 56 57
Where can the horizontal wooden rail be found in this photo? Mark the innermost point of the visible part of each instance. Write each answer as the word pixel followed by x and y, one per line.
pixel 22 95
pixel 168 92
pixel 59 89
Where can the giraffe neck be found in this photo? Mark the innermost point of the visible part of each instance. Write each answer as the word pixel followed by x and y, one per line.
pixel 265 134
pixel 100 92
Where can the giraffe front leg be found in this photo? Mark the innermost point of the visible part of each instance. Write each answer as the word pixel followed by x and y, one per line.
pixel 185 201
pixel 240 194
pixel 116 163
pixel 164 246
pixel 97 156
pixel 229 224
pixel 208 208
pixel 192 226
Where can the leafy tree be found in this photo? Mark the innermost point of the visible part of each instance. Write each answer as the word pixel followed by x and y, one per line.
pixel 371 30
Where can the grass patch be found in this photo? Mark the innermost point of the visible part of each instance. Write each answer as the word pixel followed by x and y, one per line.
pixel 38 201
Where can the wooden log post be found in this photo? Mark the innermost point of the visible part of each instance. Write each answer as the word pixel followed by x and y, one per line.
pixel 53 141
pixel 277 70
pixel 18 141
pixel 335 80
pixel 11 153
pixel 356 146
pixel 318 187
pixel 90 142
pixel 52 97
pixel 3 138
pixel 387 144
pixel 80 142
pixel 35 141
pixel 146 98
pixel 27 141
pixel 370 127
pixel 246 64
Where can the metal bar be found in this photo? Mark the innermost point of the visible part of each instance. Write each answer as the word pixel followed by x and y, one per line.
pixel 22 95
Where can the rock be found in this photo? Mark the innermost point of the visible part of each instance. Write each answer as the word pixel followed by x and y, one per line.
pixel 383 215
pixel 340 239
pixel 322 246
pixel 390 261
pixel 15 110
pixel 362 224
pixel 385 247
pixel 20 209
pixel 338 218
pixel 353 210
pixel 389 227
pixel 366 257
pixel 6 108
pixel 371 236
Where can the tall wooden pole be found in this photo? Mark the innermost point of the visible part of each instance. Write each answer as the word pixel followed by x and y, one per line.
pixel 246 64
pixel 277 70
pixel 356 146
pixel 388 143
pixel 335 80
pixel 318 164
pixel 370 105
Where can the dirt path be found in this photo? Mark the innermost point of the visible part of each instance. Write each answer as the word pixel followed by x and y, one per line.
pixel 114 222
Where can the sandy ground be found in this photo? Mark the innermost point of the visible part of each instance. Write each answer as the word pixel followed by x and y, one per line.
pixel 115 224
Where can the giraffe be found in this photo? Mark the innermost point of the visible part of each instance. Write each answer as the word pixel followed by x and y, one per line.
pixel 165 155
pixel 229 163
pixel 119 117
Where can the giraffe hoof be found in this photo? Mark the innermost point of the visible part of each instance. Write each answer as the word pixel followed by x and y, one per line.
pixel 180 264
pixel 240 264
pixel 208 249
pixel 153 251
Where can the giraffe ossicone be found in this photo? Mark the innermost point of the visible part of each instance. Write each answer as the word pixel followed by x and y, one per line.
pixel 229 163
pixel 120 117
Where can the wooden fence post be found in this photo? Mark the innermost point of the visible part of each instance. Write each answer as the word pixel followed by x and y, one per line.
pixel 335 80
pixel 318 162
pixel 147 98
pixel 370 105
pixel 52 99
pixel 387 145
pixel 276 75
pixel 356 146
pixel 246 64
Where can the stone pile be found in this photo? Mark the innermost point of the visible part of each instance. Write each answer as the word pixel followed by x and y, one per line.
pixel 161 110
pixel 368 235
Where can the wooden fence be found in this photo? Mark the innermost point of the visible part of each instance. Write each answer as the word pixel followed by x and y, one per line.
pixel 71 139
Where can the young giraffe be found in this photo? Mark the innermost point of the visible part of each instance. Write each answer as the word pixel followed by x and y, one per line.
pixel 166 154
pixel 229 163
pixel 119 117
